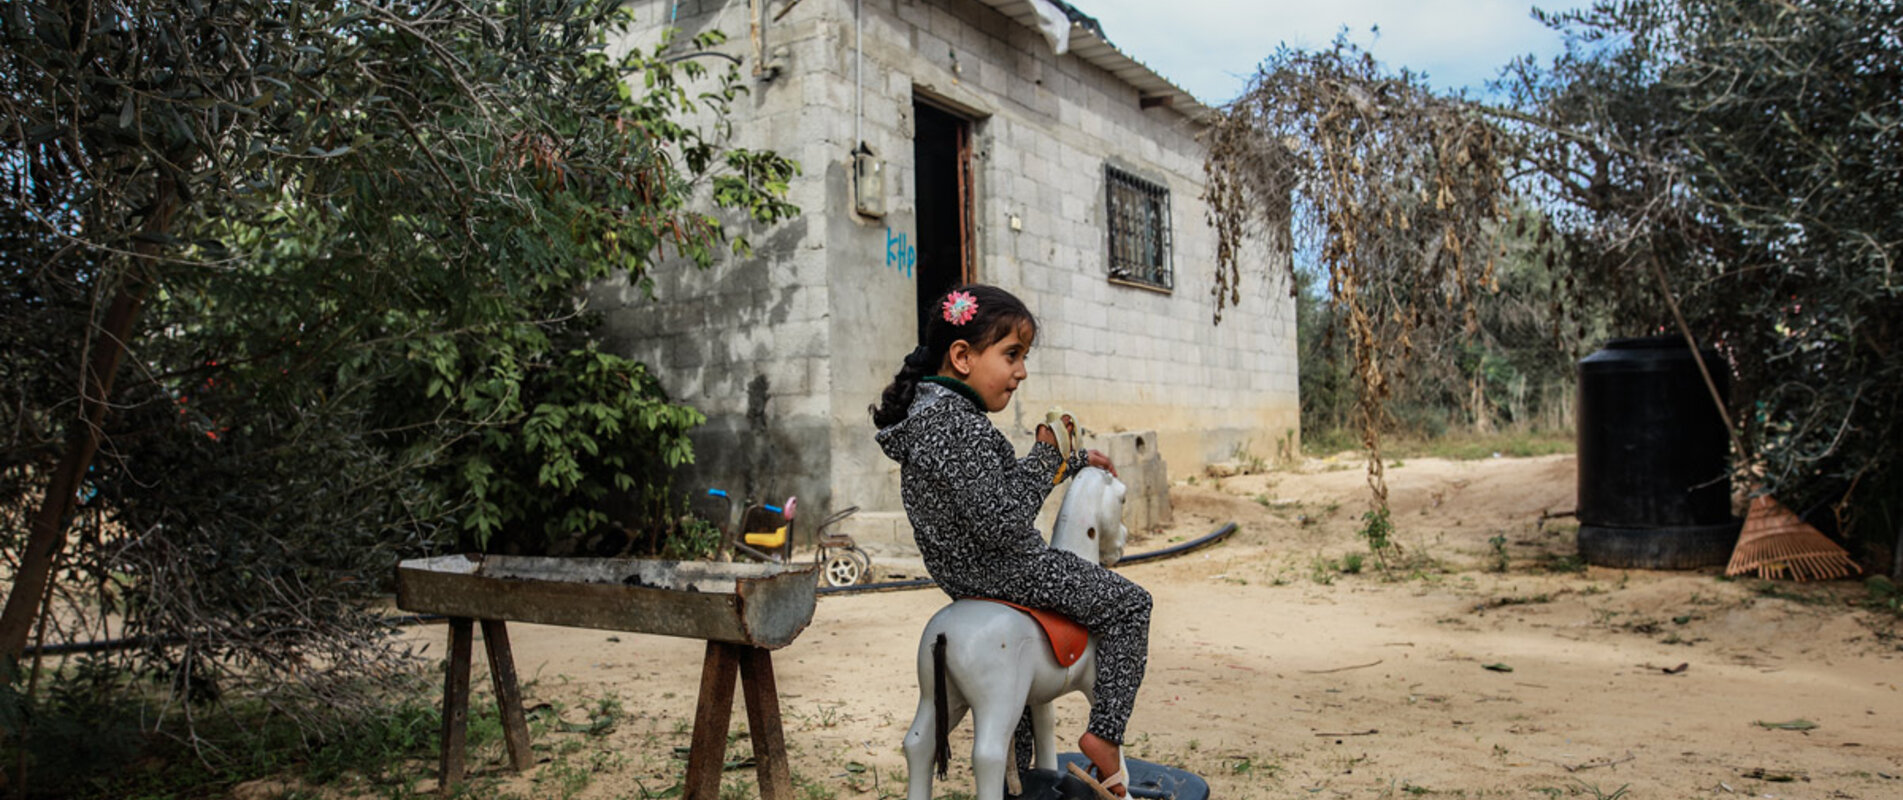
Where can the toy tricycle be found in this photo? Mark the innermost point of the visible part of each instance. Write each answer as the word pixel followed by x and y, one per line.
pixel 765 533
pixel 841 561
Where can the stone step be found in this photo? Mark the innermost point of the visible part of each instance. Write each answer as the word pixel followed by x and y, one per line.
pixel 881 533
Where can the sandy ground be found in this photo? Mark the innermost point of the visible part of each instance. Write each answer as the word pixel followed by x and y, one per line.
pixel 1274 673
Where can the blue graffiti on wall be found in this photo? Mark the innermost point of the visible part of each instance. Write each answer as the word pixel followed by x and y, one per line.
pixel 899 253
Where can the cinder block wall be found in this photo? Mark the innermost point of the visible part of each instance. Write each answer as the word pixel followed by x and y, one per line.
pixel 749 341
pixel 786 350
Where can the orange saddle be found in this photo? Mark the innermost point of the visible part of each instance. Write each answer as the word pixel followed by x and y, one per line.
pixel 1068 638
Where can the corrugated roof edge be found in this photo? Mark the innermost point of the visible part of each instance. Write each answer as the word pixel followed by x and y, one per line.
pixel 1088 42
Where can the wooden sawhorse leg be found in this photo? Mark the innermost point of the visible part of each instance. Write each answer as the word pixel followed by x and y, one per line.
pixel 515 726
pixel 456 700
pixel 708 753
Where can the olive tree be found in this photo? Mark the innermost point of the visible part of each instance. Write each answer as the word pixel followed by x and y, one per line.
pixel 1741 160
pixel 290 289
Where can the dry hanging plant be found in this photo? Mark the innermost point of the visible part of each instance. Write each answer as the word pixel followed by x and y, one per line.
pixel 1394 191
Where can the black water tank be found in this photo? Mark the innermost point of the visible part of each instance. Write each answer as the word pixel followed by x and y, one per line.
pixel 1654 458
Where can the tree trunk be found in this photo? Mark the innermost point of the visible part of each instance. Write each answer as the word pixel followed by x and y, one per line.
pixel 1477 400
pixel 1896 556
pixel 47 531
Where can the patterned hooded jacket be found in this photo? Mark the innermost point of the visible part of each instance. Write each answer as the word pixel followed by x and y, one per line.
pixel 972 502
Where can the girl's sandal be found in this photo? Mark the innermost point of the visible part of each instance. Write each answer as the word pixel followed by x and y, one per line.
pixel 1122 778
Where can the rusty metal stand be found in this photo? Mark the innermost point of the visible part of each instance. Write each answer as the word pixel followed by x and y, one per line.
pixel 515 726
pixel 707 756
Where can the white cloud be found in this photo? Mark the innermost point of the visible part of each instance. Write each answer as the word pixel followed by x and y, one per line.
pixel 1211 47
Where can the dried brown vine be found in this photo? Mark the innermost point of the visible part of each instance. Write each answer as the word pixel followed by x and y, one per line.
pixel 1392 187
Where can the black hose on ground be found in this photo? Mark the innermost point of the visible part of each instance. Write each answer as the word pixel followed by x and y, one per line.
pixel 1155 555
pixel 1215 536
pixel 882 586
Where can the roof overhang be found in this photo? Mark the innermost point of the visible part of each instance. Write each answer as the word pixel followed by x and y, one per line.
pixel 1088 42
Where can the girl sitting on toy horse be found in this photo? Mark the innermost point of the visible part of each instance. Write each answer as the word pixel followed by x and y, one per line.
pixel 973 503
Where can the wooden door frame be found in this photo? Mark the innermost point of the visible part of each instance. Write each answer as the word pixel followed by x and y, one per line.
pixel 967 177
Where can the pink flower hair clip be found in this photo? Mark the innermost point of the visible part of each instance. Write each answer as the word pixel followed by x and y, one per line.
pixel 960 307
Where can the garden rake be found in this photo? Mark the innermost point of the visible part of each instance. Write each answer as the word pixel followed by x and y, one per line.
pixel 1774 541
pixel 1778 544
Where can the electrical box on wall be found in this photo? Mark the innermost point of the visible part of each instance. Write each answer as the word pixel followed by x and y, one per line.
pixel 868 182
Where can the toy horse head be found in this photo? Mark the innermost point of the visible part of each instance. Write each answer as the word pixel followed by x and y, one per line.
pixel 1090 522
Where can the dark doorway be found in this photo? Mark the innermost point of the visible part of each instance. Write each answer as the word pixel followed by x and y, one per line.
pixel 941 152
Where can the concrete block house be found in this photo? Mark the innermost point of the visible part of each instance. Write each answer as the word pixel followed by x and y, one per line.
pixel 945 141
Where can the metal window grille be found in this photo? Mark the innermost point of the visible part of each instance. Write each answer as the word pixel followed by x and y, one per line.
pixel 1139 213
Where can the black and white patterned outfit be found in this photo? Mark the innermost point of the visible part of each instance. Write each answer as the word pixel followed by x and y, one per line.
pixel 973 506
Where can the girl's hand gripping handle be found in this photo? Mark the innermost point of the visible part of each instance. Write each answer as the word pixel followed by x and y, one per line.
pixel 1096 458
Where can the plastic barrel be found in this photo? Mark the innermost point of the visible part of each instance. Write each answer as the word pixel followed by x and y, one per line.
pixel 1654 458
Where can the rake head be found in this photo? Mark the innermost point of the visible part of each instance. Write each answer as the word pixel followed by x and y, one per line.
pixel 1778 545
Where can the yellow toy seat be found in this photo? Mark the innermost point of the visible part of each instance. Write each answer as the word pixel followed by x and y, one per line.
pixel 765 525
pixel 768 539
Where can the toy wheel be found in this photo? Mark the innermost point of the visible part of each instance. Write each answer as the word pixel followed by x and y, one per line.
pixel 844 570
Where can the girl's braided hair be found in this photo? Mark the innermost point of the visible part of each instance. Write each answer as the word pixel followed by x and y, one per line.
pixel 998 313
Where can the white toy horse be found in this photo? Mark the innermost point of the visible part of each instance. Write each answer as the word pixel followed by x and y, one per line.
pixel 993 659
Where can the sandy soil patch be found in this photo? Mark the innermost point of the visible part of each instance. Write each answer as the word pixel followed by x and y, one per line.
pixel 1274 673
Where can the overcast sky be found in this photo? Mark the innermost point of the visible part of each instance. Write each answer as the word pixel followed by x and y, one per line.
pixel 1211 47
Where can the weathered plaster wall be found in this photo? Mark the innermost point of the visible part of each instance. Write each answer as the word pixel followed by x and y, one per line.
pixel 786 351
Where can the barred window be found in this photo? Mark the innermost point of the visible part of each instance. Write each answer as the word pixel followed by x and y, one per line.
pixel 1139 214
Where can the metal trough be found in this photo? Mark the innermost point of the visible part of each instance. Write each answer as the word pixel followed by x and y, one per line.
pixel 760 605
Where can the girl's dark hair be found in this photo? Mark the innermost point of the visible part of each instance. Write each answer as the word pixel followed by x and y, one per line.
pixel 999 313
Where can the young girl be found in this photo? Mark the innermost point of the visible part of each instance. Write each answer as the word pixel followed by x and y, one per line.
pixel 972 503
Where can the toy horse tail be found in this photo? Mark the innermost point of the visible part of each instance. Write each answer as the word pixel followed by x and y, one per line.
pixel 941 742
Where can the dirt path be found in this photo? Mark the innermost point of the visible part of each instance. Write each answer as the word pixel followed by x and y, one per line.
pixel 1273 673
